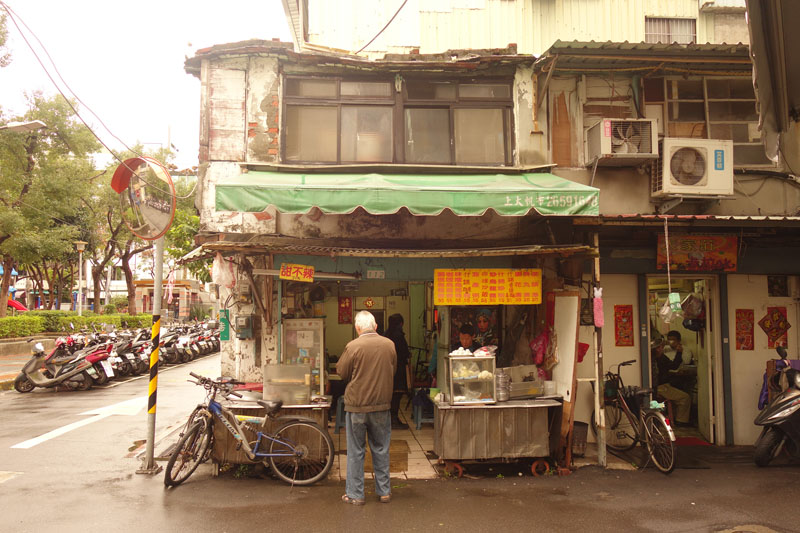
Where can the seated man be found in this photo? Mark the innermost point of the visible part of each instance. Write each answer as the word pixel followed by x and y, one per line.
pixel 466 339
pixel 661 365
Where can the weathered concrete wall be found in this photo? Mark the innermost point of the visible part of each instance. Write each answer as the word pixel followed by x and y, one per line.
pixel 531 137
pixel 211 220
pixel 263 104
pixel 731 28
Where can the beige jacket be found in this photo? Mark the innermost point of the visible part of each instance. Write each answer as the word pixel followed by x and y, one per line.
pixel 367 365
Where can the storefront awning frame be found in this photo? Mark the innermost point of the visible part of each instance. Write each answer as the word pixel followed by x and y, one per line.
pixel 381 194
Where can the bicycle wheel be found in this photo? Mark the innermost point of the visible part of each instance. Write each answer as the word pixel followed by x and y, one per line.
pixel 310 450
pixel 620 433
pixel 659 445
pixel 189 453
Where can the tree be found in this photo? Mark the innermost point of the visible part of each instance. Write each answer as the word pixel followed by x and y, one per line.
pixel 180 237
pixel 5 57
pixel 43 176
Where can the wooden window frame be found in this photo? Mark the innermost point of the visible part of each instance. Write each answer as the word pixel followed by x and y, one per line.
pixel 399 102
pixel 707 122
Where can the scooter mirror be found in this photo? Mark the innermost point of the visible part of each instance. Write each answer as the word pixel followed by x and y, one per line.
pixel 782 352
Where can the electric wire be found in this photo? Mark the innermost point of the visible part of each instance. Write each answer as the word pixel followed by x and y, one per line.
pixel 13 17
pixel 384 28
pixel 60 77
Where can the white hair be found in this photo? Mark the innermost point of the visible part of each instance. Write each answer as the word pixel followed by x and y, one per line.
pixel 365 322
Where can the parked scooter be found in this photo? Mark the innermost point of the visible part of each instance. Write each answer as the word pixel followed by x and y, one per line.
pixel 781 419
pixel 75 373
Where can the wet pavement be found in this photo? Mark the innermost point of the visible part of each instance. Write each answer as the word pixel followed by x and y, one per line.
pixel 84 480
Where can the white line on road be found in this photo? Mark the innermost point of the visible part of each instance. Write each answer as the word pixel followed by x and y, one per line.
pixel 128 407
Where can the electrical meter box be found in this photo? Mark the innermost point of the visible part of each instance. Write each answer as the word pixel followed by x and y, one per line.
pixel 244 326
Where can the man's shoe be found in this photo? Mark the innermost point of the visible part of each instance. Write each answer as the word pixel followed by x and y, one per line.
pixel 386 498
pixel 352 501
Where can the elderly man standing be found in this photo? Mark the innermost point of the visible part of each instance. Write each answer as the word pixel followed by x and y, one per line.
pixel 367 365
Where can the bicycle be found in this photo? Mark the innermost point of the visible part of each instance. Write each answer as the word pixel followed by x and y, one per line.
pixel 299 451
pixel 624 428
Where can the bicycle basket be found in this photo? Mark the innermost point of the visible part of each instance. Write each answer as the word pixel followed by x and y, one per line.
pixel 610 388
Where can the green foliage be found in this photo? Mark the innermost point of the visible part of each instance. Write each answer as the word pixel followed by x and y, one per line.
pixel 20 326
pixel 5 57
pixel 101 322
pixel 35 322
pixel 198 312
pixel 109 309
pixel 51 320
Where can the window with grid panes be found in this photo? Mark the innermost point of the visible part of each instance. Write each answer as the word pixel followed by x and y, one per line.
pixel 431 122
pixel 712 108
pixel 670 30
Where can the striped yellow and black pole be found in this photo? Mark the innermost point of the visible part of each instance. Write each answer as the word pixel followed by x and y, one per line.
pixel 149 466
pixel 153 386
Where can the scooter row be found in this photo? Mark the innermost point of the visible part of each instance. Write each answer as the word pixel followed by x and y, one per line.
pixel 80 360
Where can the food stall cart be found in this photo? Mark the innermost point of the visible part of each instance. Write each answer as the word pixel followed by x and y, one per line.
pixel 471 424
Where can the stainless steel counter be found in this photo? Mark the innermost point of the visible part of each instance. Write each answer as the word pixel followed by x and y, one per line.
pixel 512 429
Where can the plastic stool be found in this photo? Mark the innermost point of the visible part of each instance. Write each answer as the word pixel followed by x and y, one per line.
pixel 340 420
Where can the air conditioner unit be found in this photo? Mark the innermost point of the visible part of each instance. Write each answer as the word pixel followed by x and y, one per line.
pixel 693 167
pixel 622 142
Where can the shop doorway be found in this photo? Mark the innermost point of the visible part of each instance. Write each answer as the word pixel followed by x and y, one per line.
pixel 700 372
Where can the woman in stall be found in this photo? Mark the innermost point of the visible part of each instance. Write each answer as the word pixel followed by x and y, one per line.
pixel 395 333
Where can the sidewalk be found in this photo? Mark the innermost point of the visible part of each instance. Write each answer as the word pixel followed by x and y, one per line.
pixel 10 365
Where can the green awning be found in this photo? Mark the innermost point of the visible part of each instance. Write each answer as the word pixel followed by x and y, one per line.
pixel 381 194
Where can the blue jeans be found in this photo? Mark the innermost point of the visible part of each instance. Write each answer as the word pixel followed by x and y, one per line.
pixel 378 427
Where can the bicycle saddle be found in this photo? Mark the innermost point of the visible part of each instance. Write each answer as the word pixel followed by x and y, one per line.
pixel 272 407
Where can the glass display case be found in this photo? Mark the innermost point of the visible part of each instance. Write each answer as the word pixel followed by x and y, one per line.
pixel 470 379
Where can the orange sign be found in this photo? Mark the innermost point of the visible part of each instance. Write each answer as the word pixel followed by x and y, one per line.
pixel 698 253
pixel 297 272
pixel 487 286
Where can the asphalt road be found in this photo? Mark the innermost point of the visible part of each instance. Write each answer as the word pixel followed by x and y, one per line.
pixel 85 480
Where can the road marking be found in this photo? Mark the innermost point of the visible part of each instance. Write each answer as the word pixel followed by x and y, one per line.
pixel 5 476
pixel 128 408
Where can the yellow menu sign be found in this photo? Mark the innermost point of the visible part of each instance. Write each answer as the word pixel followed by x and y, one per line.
pixel 297 272
pixel 487 286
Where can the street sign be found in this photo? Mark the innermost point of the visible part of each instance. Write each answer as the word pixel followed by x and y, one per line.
pixel 147 196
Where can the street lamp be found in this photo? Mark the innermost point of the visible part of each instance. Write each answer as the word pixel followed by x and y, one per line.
pixel 80 246
pixel 24 126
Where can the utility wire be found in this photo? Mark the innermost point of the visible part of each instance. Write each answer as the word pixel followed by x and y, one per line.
pixel 386 26
pixel 60 77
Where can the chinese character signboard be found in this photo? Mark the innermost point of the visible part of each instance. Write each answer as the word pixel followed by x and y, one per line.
pixel 698 253
pixel 623 325
pixel 345 310
pixel 745 320
pixel 297 272
pixel 775 325
pixel 487 286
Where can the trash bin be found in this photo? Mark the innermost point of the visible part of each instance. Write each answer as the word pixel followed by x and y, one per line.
pixel 580 431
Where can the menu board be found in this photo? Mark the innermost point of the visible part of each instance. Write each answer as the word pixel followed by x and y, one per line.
pixel 487 286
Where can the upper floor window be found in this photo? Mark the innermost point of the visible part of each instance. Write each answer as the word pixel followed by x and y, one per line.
pixel 711 108
pixel 670 30
pixel 337 121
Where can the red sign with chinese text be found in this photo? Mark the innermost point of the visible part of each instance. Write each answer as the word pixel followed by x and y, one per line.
pixel 745 322
pixel 698 253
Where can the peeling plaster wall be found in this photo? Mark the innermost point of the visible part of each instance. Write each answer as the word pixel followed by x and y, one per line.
pixel 531 143
pixel 212 220
pixel 263 104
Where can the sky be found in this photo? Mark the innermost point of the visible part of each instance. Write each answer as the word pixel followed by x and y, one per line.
pixel 125 61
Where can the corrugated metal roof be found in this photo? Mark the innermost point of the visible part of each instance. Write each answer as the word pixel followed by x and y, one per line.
pixel 699 220
pixel 210 248
pixel 645 57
